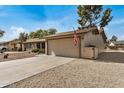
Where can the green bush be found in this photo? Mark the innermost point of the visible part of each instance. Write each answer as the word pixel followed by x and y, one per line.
pixel 38 51
pixel 35 50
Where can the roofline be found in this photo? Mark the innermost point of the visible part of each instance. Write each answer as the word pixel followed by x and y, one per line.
pixel 85 30
pixel 35 40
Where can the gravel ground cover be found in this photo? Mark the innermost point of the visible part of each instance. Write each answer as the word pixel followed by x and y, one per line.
pixel 80 73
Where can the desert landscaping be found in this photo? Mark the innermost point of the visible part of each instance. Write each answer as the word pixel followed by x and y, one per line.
pixel 68 46
pixel 80 73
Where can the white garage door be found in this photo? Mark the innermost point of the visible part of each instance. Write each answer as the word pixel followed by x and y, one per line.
pixel 63 47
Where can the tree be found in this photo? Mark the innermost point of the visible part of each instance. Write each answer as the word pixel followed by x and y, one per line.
pixel 52 31
pixel 37 34
pixel 22 37
pixel 32 35
pixel 91 15
pixel 46 33
pixel 41 33
pixel 106 18
pixel 114 38
pixel 1 33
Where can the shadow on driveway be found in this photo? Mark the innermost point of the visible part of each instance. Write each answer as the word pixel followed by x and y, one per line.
pixel 111 57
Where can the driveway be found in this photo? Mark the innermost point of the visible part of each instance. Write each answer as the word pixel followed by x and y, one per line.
pixel 16 70
pixel 80 73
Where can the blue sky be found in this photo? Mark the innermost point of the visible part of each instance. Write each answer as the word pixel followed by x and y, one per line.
pixel 16 19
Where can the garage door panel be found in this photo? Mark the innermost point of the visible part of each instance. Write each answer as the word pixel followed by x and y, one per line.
pixel 63 47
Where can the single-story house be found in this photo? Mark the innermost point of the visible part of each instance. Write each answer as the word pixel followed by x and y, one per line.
pixel 3 43
pixel 13 45
pixel 90 39
pixel 3 46
pixel 35 43
pixel 91 42
pixel 117 44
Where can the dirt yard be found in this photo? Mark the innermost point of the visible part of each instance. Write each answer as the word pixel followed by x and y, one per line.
pixel 107 71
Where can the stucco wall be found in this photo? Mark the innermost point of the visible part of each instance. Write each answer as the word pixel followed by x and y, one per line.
pixel 11 46
pixel 63 47
pixel 96 40
pixel 90 52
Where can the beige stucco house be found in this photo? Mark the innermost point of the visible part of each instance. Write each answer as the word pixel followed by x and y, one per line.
pixel 91 43
pixel 62 44
pixel 13 45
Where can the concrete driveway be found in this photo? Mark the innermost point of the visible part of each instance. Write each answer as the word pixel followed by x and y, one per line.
pixel 16 70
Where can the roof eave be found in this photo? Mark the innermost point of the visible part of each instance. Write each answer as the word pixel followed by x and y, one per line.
pixel 71 32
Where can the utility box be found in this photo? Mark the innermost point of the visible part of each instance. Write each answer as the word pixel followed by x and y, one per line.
pixel 90 52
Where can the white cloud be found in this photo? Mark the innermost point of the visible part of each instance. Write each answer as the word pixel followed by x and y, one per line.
pixel 17 30
pixel 14 33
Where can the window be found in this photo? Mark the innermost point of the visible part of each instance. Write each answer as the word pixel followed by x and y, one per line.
pixel 38 45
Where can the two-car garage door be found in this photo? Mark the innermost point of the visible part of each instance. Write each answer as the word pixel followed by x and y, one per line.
pixel 63 47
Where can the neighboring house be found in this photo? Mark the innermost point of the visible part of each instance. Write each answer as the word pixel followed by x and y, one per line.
pixel 3 43
pixel 112 44
pixel 35 43
pixel 119 44
pixel 116 45
pixel 13 45
pixel 62 44
pixel 3 46
pixel 29 44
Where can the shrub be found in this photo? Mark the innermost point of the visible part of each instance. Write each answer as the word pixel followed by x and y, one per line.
pixel 35 50
pixel 38 51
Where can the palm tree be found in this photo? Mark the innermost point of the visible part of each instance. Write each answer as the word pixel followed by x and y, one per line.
pixel 22 37
pixel 1 33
